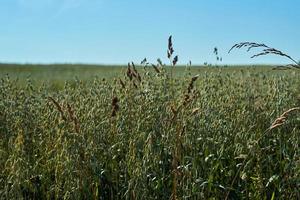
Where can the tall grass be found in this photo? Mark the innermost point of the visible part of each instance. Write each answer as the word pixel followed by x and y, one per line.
pixel 144 136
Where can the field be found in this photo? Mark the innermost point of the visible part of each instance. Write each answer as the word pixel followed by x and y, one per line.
pixel 104 132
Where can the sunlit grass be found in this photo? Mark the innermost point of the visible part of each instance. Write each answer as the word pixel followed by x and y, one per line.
pixel 157 138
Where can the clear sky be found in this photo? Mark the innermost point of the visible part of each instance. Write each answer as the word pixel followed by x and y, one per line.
pixel 118 31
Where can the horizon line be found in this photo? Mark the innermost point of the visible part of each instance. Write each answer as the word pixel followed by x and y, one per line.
pixel 138 64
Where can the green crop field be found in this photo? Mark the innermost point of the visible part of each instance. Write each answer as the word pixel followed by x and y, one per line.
pixel 149 100
pixel 104 132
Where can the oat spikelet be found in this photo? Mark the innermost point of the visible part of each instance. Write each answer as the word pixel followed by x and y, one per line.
pixel 132 72
pixel 115 106
pixel 282 118
pixel 129 72
pixel 187 96
pixel 191 85
pixel 266 50
pixel 122 83
pixel 174 111
pixel 58 107
pixel 73 118
pixel 195 111
pixel 175 60
pixel 144 61
pixel 170 47
pixel 156 68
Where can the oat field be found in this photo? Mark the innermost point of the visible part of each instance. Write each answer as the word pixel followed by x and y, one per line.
pixel 154 132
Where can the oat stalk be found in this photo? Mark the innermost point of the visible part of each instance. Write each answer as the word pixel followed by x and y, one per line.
pixel 266 50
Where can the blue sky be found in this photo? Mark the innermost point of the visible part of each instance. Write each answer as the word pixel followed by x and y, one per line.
pixel 118 31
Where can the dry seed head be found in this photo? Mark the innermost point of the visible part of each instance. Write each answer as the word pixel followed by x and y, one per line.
pixel 187 97
pixel 115 106
pixel 175 60
pixel 191 85
pixel 216 51
pixel 173 109
pixel 248 45
pixel 122 83
pixel 134 84
pixel 73 118
pixel 133 67
pixel 195 78
pixel 139 78
pixel 70 112
pixel 170 47
pixel 282 119
pixel 58 107
pixel 144 61
pixel 115 100
pixel 182 131
pixel 266 51
pixel 132 72
pixel 195 111
pixel 129 72
pixel 168 54
pixel 159 62
pixel 174 112
pixel 156 68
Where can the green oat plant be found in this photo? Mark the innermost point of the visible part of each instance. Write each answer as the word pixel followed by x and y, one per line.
pixel 281 120
pixel 152 133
